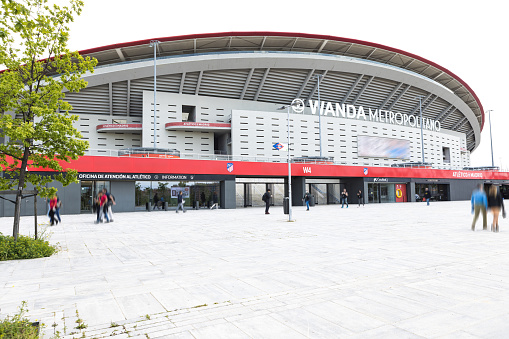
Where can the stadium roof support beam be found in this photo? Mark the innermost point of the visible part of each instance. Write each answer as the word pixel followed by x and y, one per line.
pixel 120 54
pixel 198 83
pixel 439 117
pixel 459 124
pixel 316 86
pixel 182 80
pixel 246 85
pixel 371 53
pixel 399 97
pixel 263 43
pixel 447 115
pixel 429 102
pixel 352 88
pixel 362 89
pixel 391 95
pixel 294 43
pixel 305 83
pixel 322 46
pixel 262 82
pixel 422 102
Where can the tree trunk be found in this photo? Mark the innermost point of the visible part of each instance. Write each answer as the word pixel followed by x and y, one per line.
pixel 21 183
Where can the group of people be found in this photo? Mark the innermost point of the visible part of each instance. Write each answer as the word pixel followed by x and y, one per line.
pixel 482 202
pixel 102 204
pixel 307 199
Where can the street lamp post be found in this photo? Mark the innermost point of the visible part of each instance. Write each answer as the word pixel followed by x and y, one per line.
pixel 154 44
pixel 289 170
pixel 318 76
pixel 422 134
pixel 491 140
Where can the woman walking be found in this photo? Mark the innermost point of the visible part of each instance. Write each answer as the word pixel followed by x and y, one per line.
pixel 495 204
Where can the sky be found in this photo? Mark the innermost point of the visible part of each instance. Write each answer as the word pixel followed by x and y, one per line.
pixel 469 38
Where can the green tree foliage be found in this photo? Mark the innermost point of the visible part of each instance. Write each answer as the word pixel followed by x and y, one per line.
pixel 38 69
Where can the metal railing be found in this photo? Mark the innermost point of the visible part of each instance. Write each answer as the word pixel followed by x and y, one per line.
pixel 229 157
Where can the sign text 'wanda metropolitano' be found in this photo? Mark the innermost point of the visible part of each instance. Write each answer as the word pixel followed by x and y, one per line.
pixel 377 115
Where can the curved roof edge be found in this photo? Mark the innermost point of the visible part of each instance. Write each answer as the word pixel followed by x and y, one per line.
pixel 289 34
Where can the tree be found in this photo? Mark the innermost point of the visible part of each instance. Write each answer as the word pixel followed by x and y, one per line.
pixel 35 122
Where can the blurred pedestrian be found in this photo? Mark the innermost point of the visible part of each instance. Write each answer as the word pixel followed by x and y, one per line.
pixel 495 204
pixel 479 204
pixel 266 198
pixel 344 198
pixel 110 201
pixel 360 198
pixel 156 201
pixel 427 196
pixel 57 211
pixel 306 199
pixel 180 201
pixel 98 209
pixel 52 210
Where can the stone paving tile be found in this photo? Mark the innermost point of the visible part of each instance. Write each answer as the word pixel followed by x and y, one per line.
pixel 385 271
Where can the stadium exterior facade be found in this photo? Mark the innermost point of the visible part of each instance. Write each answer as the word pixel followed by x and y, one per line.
pixel 218 106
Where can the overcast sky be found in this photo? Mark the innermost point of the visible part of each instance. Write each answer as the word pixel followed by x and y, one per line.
pixel 469 38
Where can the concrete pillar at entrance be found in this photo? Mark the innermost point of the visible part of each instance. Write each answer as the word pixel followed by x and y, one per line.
pixel 411 192
pixel 298 190
pixel 227 189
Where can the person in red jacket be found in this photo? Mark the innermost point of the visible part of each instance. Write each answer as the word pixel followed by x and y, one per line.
pixel 52 210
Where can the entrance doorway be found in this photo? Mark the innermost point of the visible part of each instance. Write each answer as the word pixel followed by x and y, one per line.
pixel 89 190
pixel 381 193
pixel 439 192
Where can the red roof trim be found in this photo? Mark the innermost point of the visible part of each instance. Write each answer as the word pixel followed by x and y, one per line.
pixel 288 34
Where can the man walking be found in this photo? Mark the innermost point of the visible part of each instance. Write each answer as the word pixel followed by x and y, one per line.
pixel 427 195
pixel 479 204
pixel 266 197
pixel 180 201
pixel 360 199
pixel 307 198
pixel 344 198
pixel 156 201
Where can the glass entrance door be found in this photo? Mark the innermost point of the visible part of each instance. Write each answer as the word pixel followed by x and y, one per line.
pixel 86 196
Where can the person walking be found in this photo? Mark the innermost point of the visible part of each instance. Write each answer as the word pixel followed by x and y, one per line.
pixel 180 201
pixel 97 205
pixel 495 204
pixel 57 210
pixel 307 198
pixel 427 195
pixel 344 198
pixel 266 197
pixel 52 210
pixel 156 201
pixel 360 198
pixel 479 204
pixel 110 201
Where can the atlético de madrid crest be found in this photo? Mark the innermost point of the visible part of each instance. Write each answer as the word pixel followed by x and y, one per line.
pixel 229 167
pixel 365 171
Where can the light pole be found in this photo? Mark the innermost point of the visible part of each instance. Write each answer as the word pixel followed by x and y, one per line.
pixel 318 76
pixel 154 44
pixel 422 134
pixel 491 140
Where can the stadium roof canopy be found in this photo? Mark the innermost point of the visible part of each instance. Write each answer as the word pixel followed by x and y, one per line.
pixel 256 66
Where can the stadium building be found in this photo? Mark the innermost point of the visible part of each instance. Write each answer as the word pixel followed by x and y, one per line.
pixel 222 102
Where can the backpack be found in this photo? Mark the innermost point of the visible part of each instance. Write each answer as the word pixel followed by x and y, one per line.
pixel 264 197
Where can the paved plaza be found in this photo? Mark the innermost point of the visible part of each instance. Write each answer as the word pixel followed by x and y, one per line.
pixel 379 271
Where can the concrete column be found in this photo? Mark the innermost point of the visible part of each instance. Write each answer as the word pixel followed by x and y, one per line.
pixel 411 191
pixel 298 190
pixel 228 198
